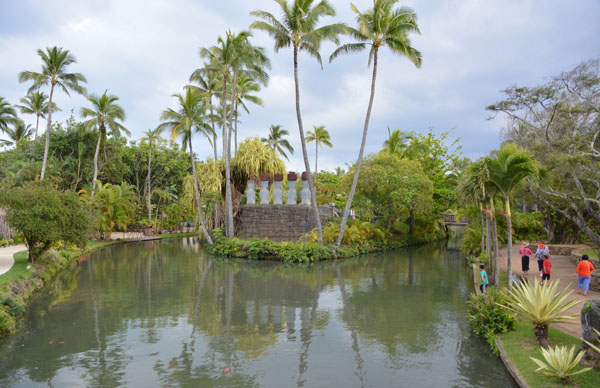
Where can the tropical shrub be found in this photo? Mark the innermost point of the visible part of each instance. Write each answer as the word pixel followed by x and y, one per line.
pixel 7 322
pixel 303 252
pixel 528 226
pixel 543 305
pixel 12 305
pixel 260 249
pixel 487 317
pixel 470 243
pixel 3 243
pixel 560 362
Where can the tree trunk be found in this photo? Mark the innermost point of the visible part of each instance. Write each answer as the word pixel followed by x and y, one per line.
pixel 37 124
pixel 212 123
pixel 149 192
pixel 548 224
pixel 495 242
pixel 509 241
pixel 236 127
pixel 482 230
pixel 198 205
pixel 488 239
pixel 541 334
pixel 47 145
pixel 96 163
pixel 360 153
pixel 228 199
pixel 311 186
pixel 316 160
pixel 224 134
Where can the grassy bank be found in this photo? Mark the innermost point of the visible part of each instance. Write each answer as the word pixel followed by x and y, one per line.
pixel 520 345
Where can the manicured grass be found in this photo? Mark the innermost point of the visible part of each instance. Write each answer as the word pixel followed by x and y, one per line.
pixel 520 344
pixel 592 253
pixel 17 271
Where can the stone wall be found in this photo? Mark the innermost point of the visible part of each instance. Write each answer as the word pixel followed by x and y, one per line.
pixel 280 222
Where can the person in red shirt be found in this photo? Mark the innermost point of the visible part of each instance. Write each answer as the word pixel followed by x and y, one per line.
pixel 546 268
pixel 584 269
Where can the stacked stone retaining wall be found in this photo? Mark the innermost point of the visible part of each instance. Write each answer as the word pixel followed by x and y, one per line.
pixel 280 222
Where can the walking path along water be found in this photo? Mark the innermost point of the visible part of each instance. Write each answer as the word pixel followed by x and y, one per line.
pixel 6 257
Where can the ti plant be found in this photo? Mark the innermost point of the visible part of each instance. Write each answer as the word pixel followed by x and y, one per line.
pixel 560 362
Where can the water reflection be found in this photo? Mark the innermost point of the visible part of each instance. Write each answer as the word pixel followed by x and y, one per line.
pixel 168 314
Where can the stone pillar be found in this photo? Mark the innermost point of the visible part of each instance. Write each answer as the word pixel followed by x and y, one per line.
pixel 291 193
pixel 305 193
pixel 250 194
pixel 278 193
pixel 264 188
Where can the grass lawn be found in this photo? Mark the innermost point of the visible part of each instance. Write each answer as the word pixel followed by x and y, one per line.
pixel 520 344
pixel 592 253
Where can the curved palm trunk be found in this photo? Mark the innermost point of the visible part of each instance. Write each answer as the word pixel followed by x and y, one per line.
pixel 360 153
pixel 488 238
pixel 509 242
pixel 47 145
pixel 495 242
pixel 311 186
pixel 148 182
pixel 235 131
pixel 197 194
pixel 212 123
pixel 228 199
pixel 482 230
pixel 96 163
pixel 227 172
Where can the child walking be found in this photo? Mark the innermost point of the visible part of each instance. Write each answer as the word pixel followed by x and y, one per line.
pixel 546 269
pixel 584 270
pixel 484 278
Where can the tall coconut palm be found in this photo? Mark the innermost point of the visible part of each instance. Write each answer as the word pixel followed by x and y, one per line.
pixel 186 121
pixel 230 56
pixel 150 138
pixel 55 61
pixel 19 132
pixel 321 137
pixel 7 114
pixel 208 83
pixel 276 141
pixel 246 84
pixel 507 170
pixel 298 28
pixel 36 103
pixel 378 27
pixel 104 115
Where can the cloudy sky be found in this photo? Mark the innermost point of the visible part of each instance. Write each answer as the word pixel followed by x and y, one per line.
pixel 143 51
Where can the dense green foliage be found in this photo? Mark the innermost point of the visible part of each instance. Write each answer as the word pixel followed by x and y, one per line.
pixel 487 317
pixel 45 215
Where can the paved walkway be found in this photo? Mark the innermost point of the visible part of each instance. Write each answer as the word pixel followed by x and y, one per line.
pixel 6 257
pixel 562 268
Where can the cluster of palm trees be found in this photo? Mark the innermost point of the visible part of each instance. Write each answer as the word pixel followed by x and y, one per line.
pixel 490 178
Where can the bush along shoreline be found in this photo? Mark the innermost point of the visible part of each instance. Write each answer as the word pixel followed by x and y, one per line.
pixel 307 251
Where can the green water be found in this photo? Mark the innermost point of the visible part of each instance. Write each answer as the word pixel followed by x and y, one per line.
pixel 167 314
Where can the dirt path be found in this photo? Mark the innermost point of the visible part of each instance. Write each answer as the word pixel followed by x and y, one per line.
pixel 562 268
pixel 6 257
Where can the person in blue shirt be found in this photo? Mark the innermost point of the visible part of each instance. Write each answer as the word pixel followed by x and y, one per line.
pixel 484 279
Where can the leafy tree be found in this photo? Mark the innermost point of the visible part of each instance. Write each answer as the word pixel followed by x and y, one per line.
pixel 115 205
pixel 507 169
pixel 320 136
pixel 183 123
pixel 7 114
pixel 378 27
pixel 298 28
pixel 104 115
pixel 36 103
pixel 45 215
pixel 276 141
pixel 54 66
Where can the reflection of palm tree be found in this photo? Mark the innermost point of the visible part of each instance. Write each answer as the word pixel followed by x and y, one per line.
pixel 355 346
pixel 306 335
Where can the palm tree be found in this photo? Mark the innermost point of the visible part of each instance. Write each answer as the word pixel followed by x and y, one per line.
pixel 397 142
pixel 18 133
pixel 276 141
pixel 298 28
pixel 246 84
pixel 36 103
pixel 378 27
pixel 320 136
pixel 507 170
pixel 104 114
pixel 183 123
pixel 209 83
pixel 7 114
pixel 233 54
pixel 54 66
pixel 152 136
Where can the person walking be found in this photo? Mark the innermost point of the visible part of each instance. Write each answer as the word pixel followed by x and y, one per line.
pixel 546 269
pixel 584 270
pixel 483 278
pixel 541 251
pixel 525 254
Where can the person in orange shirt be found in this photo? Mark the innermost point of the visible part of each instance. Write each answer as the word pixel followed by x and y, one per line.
pixel 546 268
pixel 584 269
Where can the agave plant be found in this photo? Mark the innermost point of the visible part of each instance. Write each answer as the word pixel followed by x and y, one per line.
pixel 560 362
pixel 543 305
